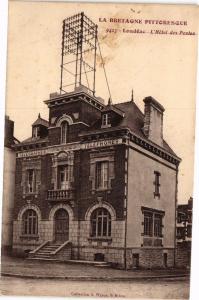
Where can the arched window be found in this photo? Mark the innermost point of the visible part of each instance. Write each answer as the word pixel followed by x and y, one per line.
pixel 30 222
pixel 100 223
pixel 64 132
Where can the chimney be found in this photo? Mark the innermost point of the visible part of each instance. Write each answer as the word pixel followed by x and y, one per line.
pixel 153 120
pixel 9 131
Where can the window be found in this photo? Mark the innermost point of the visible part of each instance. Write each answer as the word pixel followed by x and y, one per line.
pixel 64 132
pixel 35 131
pixel 158 225
pixel 106 120
pixel 31 180
pixel 63 177
pixel 30 222
pixel 148 223
pixel 153 223
pixel 101 223
pixel 181 233
pixel 102 175
pixel 157 184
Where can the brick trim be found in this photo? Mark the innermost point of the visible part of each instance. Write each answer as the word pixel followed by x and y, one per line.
pixel 64 206
pixel 105 205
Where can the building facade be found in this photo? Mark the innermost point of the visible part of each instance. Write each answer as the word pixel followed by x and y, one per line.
pixel 8 186
pixel 97 182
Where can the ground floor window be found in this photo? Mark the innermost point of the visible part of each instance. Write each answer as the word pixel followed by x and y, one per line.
pixel 153 224
pixel 158 225
pixel 148 223
pixel 100 223
pixel 152 227
pixel 30 222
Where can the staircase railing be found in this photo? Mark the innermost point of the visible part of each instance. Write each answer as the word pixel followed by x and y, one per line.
pixel 61 247
pixel 39 247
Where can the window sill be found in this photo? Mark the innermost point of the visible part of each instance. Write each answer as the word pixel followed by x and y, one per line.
pixel 30 194
pixel 98 190
pixel 152 236
pixel 102 239
pixel 29 237
pixel 152 247
pixel 105 126
pixel 156 195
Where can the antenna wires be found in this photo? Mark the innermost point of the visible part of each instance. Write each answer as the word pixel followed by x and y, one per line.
pixel 103 64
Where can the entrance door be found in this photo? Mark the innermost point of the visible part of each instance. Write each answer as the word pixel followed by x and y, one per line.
pixel 61 225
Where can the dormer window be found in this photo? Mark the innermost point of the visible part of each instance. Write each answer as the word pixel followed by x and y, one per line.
pixel 64 132
pixel 40 128
pixel 106 120
pixel 35 131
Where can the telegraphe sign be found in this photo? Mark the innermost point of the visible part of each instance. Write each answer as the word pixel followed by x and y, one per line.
pixel 71 147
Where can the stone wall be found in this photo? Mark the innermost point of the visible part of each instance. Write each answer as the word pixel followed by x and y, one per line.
pixel 64 254
pixel 183 255
pixel 150 258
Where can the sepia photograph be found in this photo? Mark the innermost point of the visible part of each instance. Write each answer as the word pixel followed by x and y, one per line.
pixel 99 140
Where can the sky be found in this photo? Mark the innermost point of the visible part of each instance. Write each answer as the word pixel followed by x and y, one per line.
pixel 159 65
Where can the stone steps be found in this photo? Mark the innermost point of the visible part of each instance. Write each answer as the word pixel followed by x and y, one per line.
pixel 43 255
pixel 46 252
pixel 43 259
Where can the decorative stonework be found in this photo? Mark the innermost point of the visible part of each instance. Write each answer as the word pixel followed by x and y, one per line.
pixel 76 115
pixel 66 118
pixel 105 205
pixel 29 206
pixel 64 206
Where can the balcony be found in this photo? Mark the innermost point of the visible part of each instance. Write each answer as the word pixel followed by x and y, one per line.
pixel 60 195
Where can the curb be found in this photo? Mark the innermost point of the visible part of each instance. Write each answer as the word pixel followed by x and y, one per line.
pixel 88 278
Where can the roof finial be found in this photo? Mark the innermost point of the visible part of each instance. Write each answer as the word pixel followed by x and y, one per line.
pixel 132 97
pixel 109 101
pixel 39 116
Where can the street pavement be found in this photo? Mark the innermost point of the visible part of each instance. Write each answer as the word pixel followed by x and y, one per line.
pixel 147 289
pixel 44 269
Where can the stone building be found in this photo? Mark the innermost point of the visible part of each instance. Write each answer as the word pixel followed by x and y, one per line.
pixel 97 182
pixel 184 233
pixel 8 186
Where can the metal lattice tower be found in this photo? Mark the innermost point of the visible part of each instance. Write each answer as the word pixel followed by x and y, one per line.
pixel 79 46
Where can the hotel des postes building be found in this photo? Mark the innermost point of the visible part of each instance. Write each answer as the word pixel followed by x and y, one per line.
pixel 97 182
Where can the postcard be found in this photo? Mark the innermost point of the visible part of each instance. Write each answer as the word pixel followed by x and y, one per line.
pixel 99 150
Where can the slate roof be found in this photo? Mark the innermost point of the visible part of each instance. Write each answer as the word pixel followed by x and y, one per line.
pixel 30 140
pixel 133 119
pixel 40 121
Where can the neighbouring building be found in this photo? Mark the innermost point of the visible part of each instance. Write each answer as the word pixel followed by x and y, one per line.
pixel 184 233
pixel 97 182
pixel 8 186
